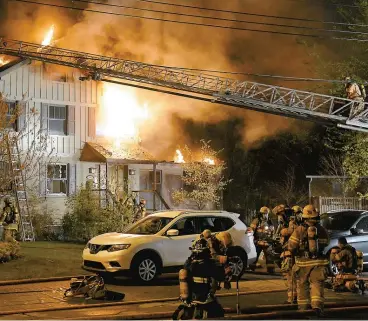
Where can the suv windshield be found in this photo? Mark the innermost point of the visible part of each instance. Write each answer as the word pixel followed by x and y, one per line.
pixel 340 221
pixel 149 225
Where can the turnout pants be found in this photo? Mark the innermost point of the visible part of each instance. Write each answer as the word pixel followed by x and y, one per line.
pixel 310 285
pixel 292 293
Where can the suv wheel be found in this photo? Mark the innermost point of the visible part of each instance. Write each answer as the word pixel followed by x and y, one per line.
pixel 145 268
pixel 238 267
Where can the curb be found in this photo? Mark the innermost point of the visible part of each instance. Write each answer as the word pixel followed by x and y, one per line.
pixel 112 304
pixel 40 280
pixel 230 313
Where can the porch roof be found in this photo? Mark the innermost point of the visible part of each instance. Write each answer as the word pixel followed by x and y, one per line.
pixel 126 154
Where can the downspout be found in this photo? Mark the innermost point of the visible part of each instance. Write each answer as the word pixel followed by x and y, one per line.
pixel 310 191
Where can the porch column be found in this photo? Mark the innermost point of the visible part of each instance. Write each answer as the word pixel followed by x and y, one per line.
pixel 154 186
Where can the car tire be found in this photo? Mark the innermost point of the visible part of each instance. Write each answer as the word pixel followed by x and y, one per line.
pixel 239 251
pixel 145 268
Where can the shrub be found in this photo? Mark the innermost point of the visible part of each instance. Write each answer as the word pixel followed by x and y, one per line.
pixel 42 219
pixel 85 218
pixel 9 251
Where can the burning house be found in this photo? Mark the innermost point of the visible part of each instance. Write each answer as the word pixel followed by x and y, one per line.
pixel 93 131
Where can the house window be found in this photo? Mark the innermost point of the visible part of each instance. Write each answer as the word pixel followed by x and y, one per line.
pixel 11 121
pixel 57 120
pixel 57 180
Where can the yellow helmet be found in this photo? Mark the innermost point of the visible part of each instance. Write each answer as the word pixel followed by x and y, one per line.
pixel 225 238
pixel 297 209
pixel 206 234
pixel 265 210
pixel 310 212
pixel 279 209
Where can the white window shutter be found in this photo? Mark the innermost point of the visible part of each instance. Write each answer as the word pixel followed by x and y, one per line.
pixel 72 178
pixel 92 122
pixel 42 179
pixel 44 118
pixel 71 120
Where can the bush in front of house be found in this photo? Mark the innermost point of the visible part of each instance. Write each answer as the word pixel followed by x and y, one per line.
pixel 85 218
pixel 42 219
pixel 9 251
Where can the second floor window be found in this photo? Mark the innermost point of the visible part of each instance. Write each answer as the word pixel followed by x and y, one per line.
pixel 57 179
pixel 58 120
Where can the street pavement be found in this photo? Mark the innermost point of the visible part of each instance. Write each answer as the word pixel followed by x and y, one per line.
pixel 19 298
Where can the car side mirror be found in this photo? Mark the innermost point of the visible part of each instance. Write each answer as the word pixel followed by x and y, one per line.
pixel 172 233
pixel 356 231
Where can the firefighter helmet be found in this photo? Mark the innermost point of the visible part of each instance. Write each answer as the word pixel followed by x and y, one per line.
pixel 200 249
pixel 348 80
pixel 264 210
pixel 310 212
pixel 225 239
pixel 279 210
pixel 8 200
pixel 206 234
pixel 297 209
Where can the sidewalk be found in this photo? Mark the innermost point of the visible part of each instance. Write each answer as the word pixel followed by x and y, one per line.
pixel 50 295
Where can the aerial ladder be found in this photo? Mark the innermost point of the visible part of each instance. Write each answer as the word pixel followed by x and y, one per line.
pixel 276 100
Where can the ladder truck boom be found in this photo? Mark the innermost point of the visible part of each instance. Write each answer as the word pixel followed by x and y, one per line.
pixel 245 94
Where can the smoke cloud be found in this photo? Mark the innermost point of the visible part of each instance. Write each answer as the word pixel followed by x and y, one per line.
pixel 182 45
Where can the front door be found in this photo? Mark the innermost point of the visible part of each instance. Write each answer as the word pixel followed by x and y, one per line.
pixel 177 247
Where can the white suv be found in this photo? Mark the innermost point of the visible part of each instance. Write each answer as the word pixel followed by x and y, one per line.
pixel 160 243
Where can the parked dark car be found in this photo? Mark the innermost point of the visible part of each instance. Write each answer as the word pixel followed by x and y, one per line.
pixel 353 224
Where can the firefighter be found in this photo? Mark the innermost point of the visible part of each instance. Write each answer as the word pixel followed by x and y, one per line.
pixel 353 92
pixel 349 263
pixel 199 278
pixel 307 244
pixel 288 260
pixel 9 219
pixel 297 213
pixel 263 231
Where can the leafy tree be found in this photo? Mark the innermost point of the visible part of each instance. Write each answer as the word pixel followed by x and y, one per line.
pixel 203 180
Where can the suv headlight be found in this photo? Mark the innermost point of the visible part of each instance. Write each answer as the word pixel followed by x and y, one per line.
pixel 118 247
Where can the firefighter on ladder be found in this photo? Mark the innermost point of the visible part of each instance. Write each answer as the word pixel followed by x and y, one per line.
pixel 10 220
pixel 307 244
pixel 353 92
pixel 349 263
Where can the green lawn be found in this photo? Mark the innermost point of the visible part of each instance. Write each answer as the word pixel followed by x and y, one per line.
pixel 44 259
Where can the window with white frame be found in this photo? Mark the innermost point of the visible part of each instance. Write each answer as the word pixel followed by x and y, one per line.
pixel 11 121
pixel 57 179
pixel 58 120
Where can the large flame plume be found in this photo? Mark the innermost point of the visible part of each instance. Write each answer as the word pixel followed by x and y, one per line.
pixel 120 114
pixel 48 37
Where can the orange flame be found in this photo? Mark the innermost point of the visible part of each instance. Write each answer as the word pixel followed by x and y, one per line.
pixel 3 61
pixel 49 35
pixel 120 115
pixel 179 158
pixel 209 161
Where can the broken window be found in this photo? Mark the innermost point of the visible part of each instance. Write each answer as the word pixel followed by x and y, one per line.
pixel 58 120
pixel 57 179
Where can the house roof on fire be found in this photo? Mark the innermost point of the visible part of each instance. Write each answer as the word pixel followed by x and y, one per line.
pixel 107 153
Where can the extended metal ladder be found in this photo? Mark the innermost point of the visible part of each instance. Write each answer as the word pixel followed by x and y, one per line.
pixel 238 93
pixel 19 189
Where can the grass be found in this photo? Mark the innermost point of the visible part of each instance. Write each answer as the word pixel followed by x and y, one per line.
pixel 44 259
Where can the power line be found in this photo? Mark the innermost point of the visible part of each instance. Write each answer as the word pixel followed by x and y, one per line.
pixel 223 19
pixel 251 14
pixel 195 23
